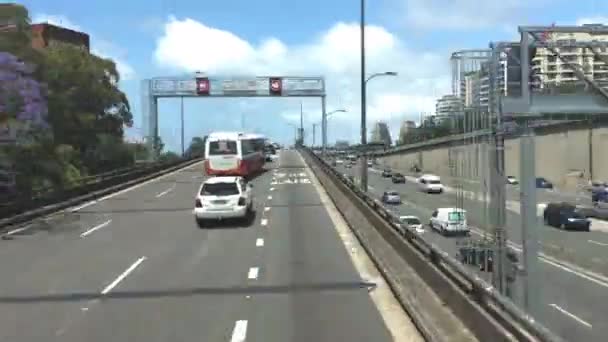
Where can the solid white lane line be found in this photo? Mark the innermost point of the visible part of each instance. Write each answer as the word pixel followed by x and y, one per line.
pixel 165 192
pixel 18 230
pixel 239 333
pixel 83 206
pixel 149 181
pixel 133 187
pixel 573 316
pixel 121 277
pixel 562 265
pixel 264 222
pixel 266 208
pixel 598 243
pixel 99 226
pixel 253 273
pixel 259 242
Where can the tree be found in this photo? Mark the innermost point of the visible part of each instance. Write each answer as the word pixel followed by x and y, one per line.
pixel 197 147
pixel 84 100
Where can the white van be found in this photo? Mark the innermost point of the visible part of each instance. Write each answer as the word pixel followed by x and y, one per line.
pixel 430 184
pixel 449 221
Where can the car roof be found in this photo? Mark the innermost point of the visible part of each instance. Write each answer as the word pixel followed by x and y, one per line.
pixel 222 179
pixel 409 217
pixel 429 176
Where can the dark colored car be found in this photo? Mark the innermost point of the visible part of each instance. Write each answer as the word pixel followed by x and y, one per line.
pixel 565 216
pixel 398 178
pixel 386 173
pixel 542 183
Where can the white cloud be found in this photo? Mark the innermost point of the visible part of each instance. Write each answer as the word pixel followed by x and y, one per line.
pixel 467 14
pixel 99 46
pixel 592 20
pixel 334 54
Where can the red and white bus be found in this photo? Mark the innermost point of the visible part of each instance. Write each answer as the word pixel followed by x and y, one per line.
pixel 234 154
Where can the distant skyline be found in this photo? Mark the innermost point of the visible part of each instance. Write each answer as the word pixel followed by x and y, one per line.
pixel 412 37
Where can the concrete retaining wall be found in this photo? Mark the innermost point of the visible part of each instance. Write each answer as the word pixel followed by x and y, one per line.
pixel 558 155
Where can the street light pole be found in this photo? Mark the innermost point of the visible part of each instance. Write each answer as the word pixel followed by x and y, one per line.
pixel 363 158
pixel 314 133
pixel 324 131
pixel 182 119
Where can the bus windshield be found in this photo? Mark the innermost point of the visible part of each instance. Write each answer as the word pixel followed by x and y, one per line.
pixel 223 147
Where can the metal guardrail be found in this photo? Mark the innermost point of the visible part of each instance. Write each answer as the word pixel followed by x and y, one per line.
pixel 500 308
pixel 49 196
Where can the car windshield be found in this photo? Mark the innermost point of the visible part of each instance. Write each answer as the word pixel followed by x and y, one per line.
pixel 392 193
pixel 434 182
pixel 222 148
pixel 575 214
pixel 219 189
pixel 397 175
pixel 456 216
pixel 411 220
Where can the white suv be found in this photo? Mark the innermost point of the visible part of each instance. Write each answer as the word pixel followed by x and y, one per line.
pixel 223 197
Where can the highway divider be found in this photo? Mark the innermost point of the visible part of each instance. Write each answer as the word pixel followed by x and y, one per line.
pixel 91 188
pixel 485 313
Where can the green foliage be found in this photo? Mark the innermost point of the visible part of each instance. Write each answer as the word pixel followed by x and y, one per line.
pixel 80 111
pixel 197 147
pixel 86 113
pixel 168 157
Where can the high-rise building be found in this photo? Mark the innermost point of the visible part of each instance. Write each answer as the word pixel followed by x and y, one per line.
pixel 381 134
pixel 549 71
pixel 407 127
pixel 449 105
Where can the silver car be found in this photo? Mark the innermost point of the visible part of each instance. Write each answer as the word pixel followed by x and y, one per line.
pixel 391 197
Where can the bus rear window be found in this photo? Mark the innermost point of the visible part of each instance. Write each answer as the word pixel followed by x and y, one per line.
pixel 222 148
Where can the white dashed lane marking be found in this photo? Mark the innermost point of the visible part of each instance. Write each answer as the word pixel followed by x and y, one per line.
pixel 259 242
pixel 253 273
pixel 122 276
pixel 598 243
pixel 239 333
pixel 573 316
pixel 264 222
pixel 99 226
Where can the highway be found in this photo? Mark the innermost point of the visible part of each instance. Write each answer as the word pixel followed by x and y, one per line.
pixel 588 250
pixel 567 303
pixel 134 267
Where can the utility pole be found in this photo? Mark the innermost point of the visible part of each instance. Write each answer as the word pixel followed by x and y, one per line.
pixel 529 222
pixel 497 181
pixel 182 119
pixel 363 156
pixel 314 131
pixel 301 123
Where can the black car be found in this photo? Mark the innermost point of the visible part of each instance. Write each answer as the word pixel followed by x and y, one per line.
pixel 386 173
pixel 542 183
pixel 565 216
pixel 398 178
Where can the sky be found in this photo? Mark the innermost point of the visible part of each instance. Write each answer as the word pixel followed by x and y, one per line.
pixel 415 38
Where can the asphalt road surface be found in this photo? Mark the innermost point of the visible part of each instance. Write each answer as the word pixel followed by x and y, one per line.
pixel 134 267
pixel 570 300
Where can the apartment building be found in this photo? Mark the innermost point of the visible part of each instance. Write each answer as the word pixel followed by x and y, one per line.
pixel 549 71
